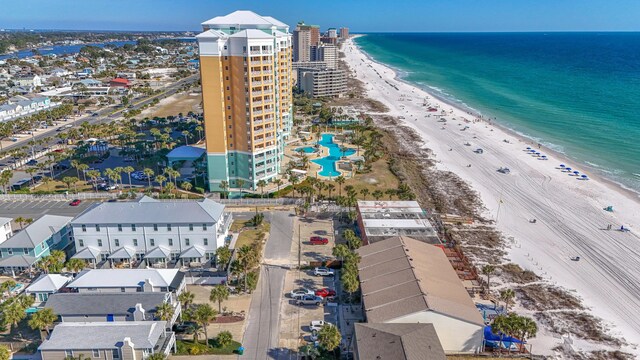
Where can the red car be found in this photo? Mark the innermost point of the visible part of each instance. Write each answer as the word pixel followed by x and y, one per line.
pixel 317 240
pixel 324 292
pixel 75 202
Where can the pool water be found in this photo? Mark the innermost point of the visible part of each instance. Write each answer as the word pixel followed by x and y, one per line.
pixel 306 149
pixel 328 163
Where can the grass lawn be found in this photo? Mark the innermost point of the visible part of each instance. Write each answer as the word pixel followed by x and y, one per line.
pixel 188 347
pixel 59 186
pixel 236 225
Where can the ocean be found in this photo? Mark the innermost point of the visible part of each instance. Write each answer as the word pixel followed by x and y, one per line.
pixel 577 93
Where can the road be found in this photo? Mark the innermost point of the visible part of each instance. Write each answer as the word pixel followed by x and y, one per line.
pixel 261 335
pixel 104 115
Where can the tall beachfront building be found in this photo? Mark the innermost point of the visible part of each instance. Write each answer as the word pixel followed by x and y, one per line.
pixel 245 69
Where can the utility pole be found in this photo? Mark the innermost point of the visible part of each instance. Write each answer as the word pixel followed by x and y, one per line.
pixel 299 246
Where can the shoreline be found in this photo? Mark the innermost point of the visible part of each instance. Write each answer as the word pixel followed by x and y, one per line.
pixel 569 212
pixel 530 140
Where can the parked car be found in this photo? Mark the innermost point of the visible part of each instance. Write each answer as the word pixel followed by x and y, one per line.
pixel 75 202
pixel 325 292
pixel 318 324
pixel 317 240
pixel 323 271
pixel 187 327
pixel 300 292
pixel 309 300
pixel 32 162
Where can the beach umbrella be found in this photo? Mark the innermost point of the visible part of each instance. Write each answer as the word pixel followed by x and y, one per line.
pixel 537 153
pixel 576 172
pixel 528 147
pixel 585 177
pixel 562 166
pixel 544 156
pixel 568 169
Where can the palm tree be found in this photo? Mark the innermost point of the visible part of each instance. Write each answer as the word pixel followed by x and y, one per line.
pixel 488 270
pixel 340 251
pixel 164 311
pixel 20 220
pixel 129 170
pixel 224 186
pixel 330 188
pixel 161 179
pixel 261 184
pixel 240 184
pixel 203 316
pixel 507 296
pixel 500 326
pixel 7 286
pixel 364 192
pixel 43 320
pixel 293 180
pixel 186 298
pixel 224 338
pixel 528 328
pixel 148 173
pixel 157 356
pixel 83 168
pixel 329 337
pixel 340 180
pixel 94 175
pixel 75 265
pixel 185 134
pixel 199 130
pixel 391 193
pixel 219 293
pixel 74 164
pixel 186 186
pixel 278 182
pixel 377 194
pixel 248 259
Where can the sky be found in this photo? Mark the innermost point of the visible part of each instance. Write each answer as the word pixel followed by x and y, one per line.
pixel 358 15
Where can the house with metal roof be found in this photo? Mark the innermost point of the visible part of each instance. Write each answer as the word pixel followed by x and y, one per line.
pixel 129 280
pixel 397 342
pixel 45 285
pixel 107 340
pixel 115 306
pixel 404 280
pixel 26 247
pixel 5 229
pixel 158 232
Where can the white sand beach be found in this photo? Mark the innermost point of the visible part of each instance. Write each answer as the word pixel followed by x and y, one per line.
pixel 570 220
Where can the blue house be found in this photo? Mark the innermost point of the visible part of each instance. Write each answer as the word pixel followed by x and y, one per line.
pixel 21 251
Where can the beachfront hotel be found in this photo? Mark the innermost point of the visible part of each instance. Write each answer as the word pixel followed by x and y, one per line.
pixel 245 69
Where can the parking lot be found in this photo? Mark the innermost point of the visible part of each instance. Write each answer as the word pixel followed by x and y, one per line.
pixel 295 319
pixel 36 208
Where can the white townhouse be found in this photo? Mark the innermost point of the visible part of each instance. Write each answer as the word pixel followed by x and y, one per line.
pixel 185 233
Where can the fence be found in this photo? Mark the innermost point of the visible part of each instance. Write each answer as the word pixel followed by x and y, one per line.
pixel 248 202
pixel 56 197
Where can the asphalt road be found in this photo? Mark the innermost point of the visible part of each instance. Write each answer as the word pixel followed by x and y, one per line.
pixel 105 115
pixel 261 335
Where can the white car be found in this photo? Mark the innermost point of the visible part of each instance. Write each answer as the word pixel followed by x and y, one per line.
pixel 300 292
pixel 318 324
pixel 323 271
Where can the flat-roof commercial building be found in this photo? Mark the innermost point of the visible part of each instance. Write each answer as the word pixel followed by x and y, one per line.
pixel 245 70
pixel 322 82
pixel 380 220
pixel 404 280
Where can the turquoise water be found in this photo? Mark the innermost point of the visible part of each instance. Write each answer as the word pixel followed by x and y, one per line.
pixel 578 93
pixel 328 163
pixel 306 149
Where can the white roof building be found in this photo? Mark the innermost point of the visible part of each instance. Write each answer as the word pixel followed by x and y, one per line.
pixel 129 280
pixel 380 220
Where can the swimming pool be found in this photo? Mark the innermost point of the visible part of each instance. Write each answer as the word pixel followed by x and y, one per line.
pixel 328 163
pixel 306 149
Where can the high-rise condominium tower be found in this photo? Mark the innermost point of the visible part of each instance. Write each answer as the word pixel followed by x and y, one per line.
pixel 245 68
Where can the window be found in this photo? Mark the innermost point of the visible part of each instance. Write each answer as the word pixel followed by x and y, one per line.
pixel 204 227
pixel 119 227
pixel 225 47
pixel 155 227
pixel 96 353
pixel 122 289
pixel 190 227
pixel 228 88
pixel 116 353
pixel 116 242
pixel 99 242
pixel 206 241
pixel 10 251
pixel 226 68
pixel 97 227
pixel 227 78
pixel 186 242
pixel 81 243
pixel 168 227
pixel 135 242
pixel 68 353
pixel 84 228
pixel 170 242
pixel 25 251
pixel 152 242
pixel 133 227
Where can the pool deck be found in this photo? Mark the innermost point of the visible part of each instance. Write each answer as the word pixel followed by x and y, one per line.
pixel 314 169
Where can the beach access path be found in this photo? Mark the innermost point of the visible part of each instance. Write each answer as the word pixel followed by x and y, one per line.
pixel 570 220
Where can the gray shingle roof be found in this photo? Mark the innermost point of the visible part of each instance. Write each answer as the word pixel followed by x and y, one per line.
pixel 104 335
pixel 152 212
pixel 398 342
pixel 17 261
pixel 39 231
pixel 104 303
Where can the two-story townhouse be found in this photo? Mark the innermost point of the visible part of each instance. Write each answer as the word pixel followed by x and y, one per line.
pixel 5 228
pixel 129 281
pixel 117 306
pixel 134 340
pixel 158 232
pixel 26 247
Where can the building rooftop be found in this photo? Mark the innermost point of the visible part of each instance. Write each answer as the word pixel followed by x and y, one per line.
pixel 48 283
pixel 37 232
pixel 116 278
pixel 104 335
pixel 104 303
pixel 401 276
pixel 397 342
pixel 242 18
pixel 186 152
pixel 151 211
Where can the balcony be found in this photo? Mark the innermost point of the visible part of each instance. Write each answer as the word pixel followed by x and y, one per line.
pixel 254 52
pixel 256 83
pixel 258 122
pixel 255 73
pixel 256 103
pixel 257 112
pixel 258 132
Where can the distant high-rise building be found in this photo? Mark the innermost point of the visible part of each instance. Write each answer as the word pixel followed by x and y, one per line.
pixel 326 53
pixel 245 70
pixel 344 33
pixel 332 33
pixel 304 36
